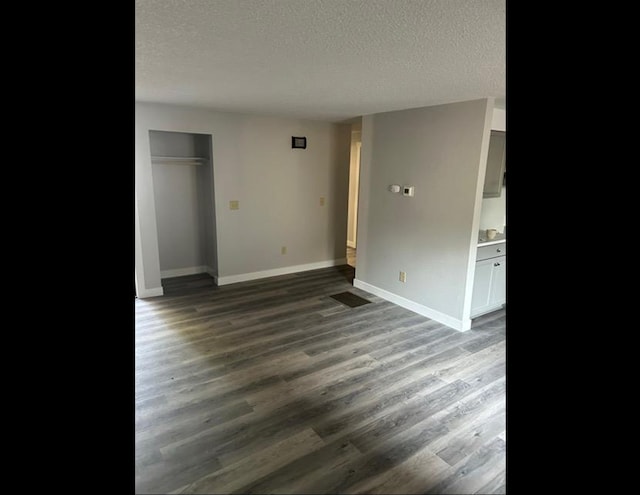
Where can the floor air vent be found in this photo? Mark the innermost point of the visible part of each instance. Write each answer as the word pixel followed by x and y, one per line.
pixel 350 299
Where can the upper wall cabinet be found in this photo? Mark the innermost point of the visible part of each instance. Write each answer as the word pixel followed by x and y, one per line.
pixel 495 165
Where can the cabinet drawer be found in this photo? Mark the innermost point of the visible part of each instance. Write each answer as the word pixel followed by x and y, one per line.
pixel 486 252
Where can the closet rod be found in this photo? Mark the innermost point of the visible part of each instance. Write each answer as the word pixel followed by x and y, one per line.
pixel 183 160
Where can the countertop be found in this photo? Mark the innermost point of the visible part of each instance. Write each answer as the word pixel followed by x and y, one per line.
pixel 483 241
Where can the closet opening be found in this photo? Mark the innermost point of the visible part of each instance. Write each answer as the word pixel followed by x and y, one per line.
pixel 182 166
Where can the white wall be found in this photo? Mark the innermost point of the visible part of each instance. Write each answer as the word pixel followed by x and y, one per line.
pixel 442 151
pixel 499 119
pixel 278 188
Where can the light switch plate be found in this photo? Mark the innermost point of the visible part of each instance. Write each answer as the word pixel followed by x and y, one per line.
pixel 394 188
pixel 407 190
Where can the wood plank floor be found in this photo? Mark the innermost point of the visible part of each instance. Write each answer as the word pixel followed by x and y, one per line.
pixel 272 386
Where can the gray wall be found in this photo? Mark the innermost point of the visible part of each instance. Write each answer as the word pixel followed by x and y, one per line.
pixel 278 188
pixel 207 204
pixel 181 242
pixel 164 143
pixel 441 150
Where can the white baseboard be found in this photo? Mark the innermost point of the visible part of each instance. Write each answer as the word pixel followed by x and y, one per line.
pixel 490 309
pixel 351 244
pixel 180 272
pixel 454 323
pixel 155 292
pixel 285 270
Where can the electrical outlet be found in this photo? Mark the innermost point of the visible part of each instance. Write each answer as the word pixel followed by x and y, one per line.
pixel 321 200
pixel 283 250
pixel 403 277
pixel 234 205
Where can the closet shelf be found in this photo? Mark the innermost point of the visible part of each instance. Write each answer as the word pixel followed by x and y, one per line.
pixel 187 160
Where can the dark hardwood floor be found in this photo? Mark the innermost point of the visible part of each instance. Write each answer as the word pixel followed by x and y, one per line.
pixel 272 386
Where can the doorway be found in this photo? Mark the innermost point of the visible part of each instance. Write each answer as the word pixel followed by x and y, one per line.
pixel 354 184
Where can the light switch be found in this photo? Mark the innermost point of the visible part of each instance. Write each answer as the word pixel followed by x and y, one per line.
pixel 407 190
pixel 394 188
pixel 234 205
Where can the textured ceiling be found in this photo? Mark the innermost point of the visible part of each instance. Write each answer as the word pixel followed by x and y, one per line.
pixel 319 59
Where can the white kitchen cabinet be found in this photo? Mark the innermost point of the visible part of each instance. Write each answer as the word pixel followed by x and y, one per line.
pixel 496 164
pixel 498 293
pixel 489 285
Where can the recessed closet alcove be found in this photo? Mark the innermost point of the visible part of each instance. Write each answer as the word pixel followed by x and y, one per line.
pixel 182 168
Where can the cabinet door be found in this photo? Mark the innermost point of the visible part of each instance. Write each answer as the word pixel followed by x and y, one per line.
pixel 495 165
pixel 498 293
pixel 481 286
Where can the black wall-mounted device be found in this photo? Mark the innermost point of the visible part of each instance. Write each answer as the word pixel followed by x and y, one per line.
pixel 298 142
